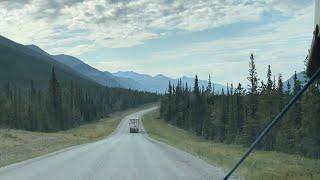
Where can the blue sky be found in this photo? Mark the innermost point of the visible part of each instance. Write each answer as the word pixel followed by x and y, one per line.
pixel 174 38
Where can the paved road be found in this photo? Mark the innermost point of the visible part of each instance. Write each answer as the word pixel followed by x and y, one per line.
pixel 121 156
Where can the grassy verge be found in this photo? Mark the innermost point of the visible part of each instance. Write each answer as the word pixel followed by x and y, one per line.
pixel 260 165
pixel 19 145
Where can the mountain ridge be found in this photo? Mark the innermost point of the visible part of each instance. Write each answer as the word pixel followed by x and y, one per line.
pixel 21 64
pixel 159 83
pixel 122 79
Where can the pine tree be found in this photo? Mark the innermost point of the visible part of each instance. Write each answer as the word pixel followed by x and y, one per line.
pixel 32 108
pixel 239 111
pixel 296 112
pixel 251 124
pixel 269 81
pixel 196 89
pixel 268 110
pixel 232 122
pixel 280 93
pixel 310 142
pixel 170 102
pixel 55 104
pixel 209 86
pixel 288 92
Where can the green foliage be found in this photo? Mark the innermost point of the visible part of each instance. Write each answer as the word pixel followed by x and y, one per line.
pixel 62 107
pixel 261 165
pixel 32 98
pixel 19 69
pixel 237 116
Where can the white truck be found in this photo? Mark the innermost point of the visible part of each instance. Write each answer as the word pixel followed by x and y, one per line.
pixel 134 125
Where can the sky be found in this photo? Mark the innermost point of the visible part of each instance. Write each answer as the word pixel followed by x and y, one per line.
pixel 174 38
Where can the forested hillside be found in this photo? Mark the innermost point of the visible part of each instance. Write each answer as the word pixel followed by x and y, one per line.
pixel 38 93
pixel 19 65
pixel 62 107
pixel 238 114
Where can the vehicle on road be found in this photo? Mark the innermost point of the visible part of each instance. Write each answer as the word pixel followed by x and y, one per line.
pixel 134 125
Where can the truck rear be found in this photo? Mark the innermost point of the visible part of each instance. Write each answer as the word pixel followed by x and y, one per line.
pixel 134 125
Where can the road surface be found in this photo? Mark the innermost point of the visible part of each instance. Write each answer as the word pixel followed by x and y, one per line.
pixel 121 156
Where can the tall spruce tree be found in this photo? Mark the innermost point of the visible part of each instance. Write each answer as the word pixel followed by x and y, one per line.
pixel 55 104
pixel 239 111
pixel 227 117
pixel 280 93
pixel 268 110
pixel 310 143
pixel 251 125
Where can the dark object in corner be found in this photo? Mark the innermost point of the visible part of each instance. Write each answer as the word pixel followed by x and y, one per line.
pixel 313 62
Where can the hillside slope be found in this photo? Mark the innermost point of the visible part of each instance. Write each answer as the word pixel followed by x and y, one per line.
pixel 92 73
pixel 20 65
pixel 300 76
pixel 102 78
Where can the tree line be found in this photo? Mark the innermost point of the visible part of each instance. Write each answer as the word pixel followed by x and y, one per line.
pixel 59 108
pixel 238 114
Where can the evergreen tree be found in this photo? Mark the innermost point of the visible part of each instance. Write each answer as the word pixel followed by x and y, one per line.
pixel 310 143
pixel 268 110
pixel 280 93
pixel 239 111
pixel 288 92
pixel 196 89
pixel 209 86
pixel 236 116
pixel 32 118
pixel 269 81
pixel 232 122
pixel 251 125
pixel 55 104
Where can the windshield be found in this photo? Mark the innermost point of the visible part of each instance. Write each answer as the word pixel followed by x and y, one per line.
pixel 159 89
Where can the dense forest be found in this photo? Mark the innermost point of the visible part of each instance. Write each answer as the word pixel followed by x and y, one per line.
pixel 60 107
pixel 238 114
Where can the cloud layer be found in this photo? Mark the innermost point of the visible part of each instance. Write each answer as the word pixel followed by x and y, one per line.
pixel 122 23
pixel 79 26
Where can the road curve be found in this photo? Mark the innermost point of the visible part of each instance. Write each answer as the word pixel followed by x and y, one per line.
pixel 121 156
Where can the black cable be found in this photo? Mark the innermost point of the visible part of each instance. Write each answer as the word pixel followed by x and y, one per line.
pixel 274 121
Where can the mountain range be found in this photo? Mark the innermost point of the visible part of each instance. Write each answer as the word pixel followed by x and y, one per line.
pixel 21 63
pixel 80 67
pixel 122 79
pixel 126 79
pixel 301 76
pixel 159 83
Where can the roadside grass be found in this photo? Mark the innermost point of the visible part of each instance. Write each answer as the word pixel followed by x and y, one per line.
pixel 19 145
pixel 260 164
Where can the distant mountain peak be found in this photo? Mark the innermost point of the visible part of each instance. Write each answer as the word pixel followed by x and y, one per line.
pixel 301 77
pixel 37 49
pixel 159 83
pixel 160 76
pixel 64 55
pixel 33 45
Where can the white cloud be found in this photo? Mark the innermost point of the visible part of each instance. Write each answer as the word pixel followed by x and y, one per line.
pixel 116 24
pixel 74 50
pixel 283 44
pixel 78 26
